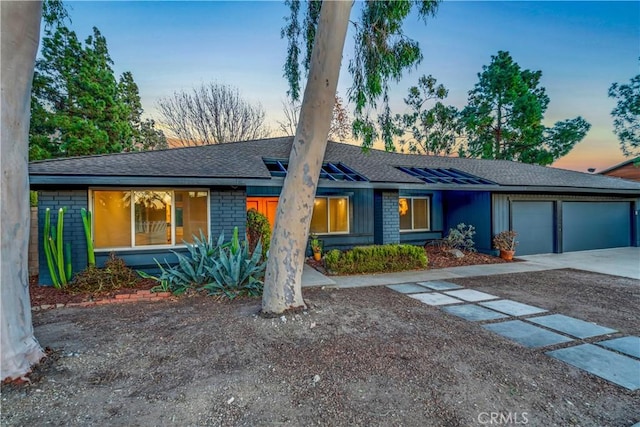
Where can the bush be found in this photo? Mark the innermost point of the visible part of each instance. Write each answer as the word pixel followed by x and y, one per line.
pixel 461 238
pixel 376 259
pixel 227 269
pixel 258 229
pixel 115 275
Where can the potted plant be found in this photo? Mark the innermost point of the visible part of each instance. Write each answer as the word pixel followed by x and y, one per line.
pixel 506 242
pixel 316 247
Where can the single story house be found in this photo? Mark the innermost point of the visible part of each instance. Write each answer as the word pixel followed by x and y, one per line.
pixel 145 204
pixel 629 169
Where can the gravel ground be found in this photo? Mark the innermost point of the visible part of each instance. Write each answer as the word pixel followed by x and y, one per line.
pixel 366 356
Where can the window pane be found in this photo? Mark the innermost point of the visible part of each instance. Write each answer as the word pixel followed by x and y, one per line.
pixel 420 214
pixel 404 209
pixel 319 218
pixel 339 215
pixel 112 219
pixel 152 216
pixel 191 215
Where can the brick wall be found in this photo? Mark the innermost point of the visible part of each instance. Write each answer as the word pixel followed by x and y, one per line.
pixel 387 219
pixel 73 229
pixel 228 210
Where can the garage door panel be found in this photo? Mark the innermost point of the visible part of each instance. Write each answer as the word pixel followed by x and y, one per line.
pixel 595 225
pixel 534 223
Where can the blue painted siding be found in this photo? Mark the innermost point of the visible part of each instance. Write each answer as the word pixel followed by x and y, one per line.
pixel 471 208
pixel 361 218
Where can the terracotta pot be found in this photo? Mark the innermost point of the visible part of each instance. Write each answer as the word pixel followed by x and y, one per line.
pixel 317 256
pixel 507 255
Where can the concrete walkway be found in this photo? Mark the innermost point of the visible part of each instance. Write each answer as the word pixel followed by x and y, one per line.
pixel 624 262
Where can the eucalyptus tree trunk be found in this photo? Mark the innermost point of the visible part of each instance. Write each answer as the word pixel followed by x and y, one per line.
pixel 283 281
pixel 20 31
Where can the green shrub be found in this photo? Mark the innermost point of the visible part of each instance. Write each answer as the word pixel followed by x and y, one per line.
pixel 191 270
pixel 461 238
pixel 258 229
pixel 113 276
pixel 376 259
pixel 237 272
pixel 228 269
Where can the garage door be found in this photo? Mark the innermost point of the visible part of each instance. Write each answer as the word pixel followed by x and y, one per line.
pixel 595 225
pixel 534 223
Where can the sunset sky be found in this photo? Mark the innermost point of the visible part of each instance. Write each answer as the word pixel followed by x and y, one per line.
pixel 580 47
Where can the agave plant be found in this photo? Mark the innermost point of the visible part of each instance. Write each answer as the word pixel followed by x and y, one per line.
pixel 237 271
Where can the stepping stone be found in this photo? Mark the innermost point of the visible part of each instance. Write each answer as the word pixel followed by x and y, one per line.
pixel 435 298
pixel 571 326
pixel 470 295
pixel 526 334
pixel 440 286
pixel 626 345
pixel 614 367
pixel 408 288
pixel 512 308
pixel 473 312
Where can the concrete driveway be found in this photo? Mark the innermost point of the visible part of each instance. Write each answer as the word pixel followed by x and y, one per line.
pixel 624 262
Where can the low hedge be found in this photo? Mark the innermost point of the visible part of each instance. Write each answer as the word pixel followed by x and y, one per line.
pixel 376 259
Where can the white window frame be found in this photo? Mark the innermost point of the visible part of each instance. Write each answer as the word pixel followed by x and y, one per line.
pixel 413 229
pixel 131 190
pixel 329 215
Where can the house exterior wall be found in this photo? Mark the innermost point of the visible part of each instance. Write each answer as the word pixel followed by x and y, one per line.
pixel 470 208
pixel 386 217
pixel 502 216
pixel 361 218
pixel 628 171
pixel 73 230
pixel 227 210
pixel 436 214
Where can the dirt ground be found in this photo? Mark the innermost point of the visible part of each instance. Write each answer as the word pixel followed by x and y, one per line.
pixel 366 356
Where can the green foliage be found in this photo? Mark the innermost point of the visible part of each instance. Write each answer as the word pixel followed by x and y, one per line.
pixel 461 237
pixel 33 199
pixel 237 272
pixel 192 270
pixel 225 269
pixel 382 53
pixel 503 118
pixel 57 253
pixel 77 106
pixel 315 243
pixel 86 222
pixel 258 230
pixel 626 115
pixel 434 130
pixel 376 259
pixel 115 275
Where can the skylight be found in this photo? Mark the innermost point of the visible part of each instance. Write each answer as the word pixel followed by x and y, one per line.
pixel 445 176
pixel 330 171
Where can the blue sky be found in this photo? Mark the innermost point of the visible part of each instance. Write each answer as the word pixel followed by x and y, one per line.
pixel 580 47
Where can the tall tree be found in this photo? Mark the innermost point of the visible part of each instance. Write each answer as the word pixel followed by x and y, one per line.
pixel 144 135
pixel 340 129
pixel 382 52
pixel 212 114
pixel 19 32
pixel 503 118
pixel 626 115
pixel 431 131
pixel 78 107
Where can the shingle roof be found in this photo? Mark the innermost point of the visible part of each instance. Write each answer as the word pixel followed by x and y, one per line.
pixel 244 160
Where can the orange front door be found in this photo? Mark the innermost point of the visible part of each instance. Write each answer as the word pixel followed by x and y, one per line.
pixel 268 206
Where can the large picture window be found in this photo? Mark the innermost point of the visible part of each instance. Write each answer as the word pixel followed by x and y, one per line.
pixel 414 213
pixel 148 217
pixel 330 215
